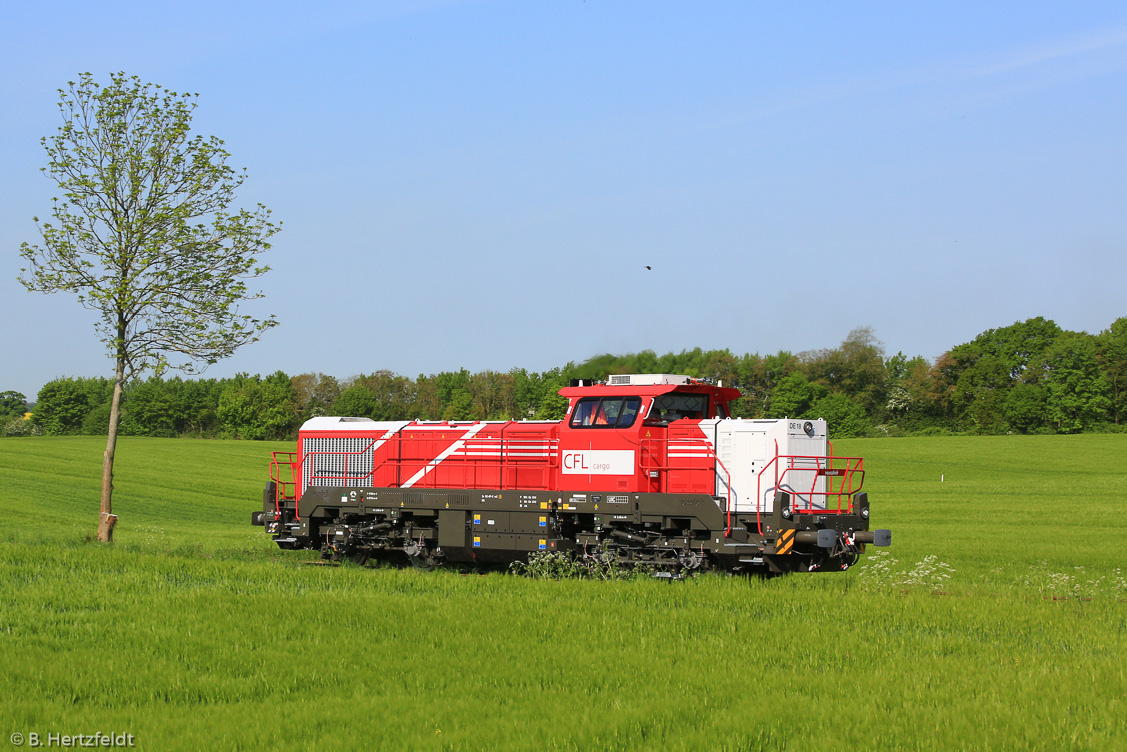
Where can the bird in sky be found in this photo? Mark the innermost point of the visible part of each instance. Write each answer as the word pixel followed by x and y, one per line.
pixel 649 267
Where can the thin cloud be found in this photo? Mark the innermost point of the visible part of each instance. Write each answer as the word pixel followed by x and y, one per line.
pixel 1056 53
pixel 1055 50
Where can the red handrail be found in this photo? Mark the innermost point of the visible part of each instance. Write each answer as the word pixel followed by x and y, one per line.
pixel 506 450
pixel 281 485
pixel 686 442
pixel 853 466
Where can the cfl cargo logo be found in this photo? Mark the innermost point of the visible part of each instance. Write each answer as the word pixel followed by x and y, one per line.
pixel 597 462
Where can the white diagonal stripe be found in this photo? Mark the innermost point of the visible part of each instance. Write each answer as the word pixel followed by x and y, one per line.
pixel 444 454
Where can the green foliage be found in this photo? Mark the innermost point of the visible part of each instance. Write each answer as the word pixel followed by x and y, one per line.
pixel 491 395
pixel 453 392
pixel 565 565
pixel 1012 349
pixel 1112 352
pixel 551 565
pixel 97 422
pixel 1065 382
pixel 255 408
pixel 197 405
pixel 272 407
pixel 314 394
pixel 381 396
pixel 856 368
pixel 545 402
pixel 1024 407
pixel 844 416
pixel 794 397
pixel 19 426
pixel 908 402
pixel 141 233
pixel 150 410
pixel 63 404
pixel 1076 390
pixel 12 404
pixel 981 373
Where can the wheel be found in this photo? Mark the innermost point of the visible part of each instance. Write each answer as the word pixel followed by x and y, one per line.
pixel 360 558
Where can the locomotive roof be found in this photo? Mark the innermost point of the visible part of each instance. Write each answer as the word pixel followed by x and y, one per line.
pixel 644 385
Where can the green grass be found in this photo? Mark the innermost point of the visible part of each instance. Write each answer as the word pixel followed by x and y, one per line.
pixel 1005 501
pixel 194 632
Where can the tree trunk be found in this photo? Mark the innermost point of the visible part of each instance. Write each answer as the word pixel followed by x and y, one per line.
pixel 108 519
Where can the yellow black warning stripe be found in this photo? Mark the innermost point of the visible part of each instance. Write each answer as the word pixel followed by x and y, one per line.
pixel 785 542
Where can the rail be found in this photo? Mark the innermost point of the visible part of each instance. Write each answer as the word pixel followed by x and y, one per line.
pixel 825 469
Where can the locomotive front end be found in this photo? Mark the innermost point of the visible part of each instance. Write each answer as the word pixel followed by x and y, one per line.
pixel 799 506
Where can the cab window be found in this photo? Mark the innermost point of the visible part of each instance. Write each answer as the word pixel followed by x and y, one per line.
pixel 670 407
pixel 605 412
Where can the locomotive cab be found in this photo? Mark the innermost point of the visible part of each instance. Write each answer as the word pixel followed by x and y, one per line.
pixel 615 437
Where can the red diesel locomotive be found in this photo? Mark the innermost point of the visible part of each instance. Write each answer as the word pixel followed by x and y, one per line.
pixel 643 469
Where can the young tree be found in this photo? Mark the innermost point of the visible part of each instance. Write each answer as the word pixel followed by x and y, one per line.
pixel 142 235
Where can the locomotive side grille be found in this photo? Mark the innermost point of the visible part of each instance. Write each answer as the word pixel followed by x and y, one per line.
pixel 337 461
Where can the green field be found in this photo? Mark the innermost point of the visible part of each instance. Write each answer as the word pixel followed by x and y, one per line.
pixel 997 620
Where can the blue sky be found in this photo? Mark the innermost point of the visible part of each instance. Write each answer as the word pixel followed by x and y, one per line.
pixel 481 184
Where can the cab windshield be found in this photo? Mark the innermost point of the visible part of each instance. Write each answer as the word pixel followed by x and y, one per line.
pixel 606 412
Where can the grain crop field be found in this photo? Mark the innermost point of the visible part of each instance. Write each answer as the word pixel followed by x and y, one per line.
pixel 997 620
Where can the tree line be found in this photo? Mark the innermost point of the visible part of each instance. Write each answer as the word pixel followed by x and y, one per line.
pixel 274 406
pixel 1031 377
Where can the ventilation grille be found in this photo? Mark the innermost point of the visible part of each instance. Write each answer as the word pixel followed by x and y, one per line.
pixel 646 379
pixel 344 461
